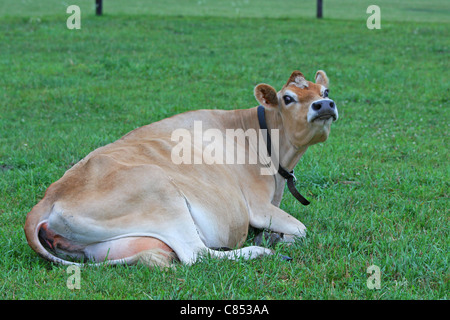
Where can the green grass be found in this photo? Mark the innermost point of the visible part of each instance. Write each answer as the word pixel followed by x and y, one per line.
pixel 379 185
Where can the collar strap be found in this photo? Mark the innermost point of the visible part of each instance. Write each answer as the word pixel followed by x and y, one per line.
pixel 289 176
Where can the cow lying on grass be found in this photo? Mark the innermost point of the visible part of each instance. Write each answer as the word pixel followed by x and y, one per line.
pixel 136 200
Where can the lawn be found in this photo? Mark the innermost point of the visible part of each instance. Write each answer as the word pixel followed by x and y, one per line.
pixel 379 186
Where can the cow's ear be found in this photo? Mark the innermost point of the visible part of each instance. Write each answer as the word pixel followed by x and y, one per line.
pixel 266 95
pixel 321 78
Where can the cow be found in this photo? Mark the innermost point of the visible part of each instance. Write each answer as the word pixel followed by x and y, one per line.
pixel 132 201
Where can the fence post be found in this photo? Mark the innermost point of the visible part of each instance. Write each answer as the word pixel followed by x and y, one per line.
pixel 319 9
pixel 98 7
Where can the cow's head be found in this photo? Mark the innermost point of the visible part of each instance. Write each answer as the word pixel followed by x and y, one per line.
pixel 305 109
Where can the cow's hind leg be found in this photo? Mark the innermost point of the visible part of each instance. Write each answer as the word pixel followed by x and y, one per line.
pixel 132 250
pixel 128 250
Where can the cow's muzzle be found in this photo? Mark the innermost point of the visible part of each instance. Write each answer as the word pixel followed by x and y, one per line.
pixel 323 110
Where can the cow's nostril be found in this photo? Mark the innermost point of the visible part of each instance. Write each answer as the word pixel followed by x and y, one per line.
pixel 316 106
pixel 331 104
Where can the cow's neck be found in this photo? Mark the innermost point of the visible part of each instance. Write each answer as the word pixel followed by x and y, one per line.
pixel 289 155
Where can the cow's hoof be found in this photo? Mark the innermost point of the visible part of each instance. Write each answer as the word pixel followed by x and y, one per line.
pixel 267 239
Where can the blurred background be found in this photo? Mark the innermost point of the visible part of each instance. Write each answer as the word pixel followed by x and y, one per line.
pixel 394 10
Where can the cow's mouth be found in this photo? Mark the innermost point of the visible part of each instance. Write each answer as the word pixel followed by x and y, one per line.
pixel 325 116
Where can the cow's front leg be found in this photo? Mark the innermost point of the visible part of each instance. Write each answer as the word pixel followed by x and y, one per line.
pixel 276 220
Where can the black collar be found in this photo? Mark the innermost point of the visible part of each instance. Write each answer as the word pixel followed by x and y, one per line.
pixel 289 176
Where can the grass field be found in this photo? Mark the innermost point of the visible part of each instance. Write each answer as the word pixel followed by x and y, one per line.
pixel 379 186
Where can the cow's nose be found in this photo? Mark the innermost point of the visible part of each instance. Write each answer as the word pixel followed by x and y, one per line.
pixel 323 105
pixel 323 109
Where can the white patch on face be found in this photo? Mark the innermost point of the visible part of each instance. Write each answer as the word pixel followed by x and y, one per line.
pixel 300 82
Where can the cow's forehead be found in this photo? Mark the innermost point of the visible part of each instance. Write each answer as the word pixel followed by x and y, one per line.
pixel 309 92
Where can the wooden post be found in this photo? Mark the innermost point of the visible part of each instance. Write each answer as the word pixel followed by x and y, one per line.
pixel 98 7
pixel 319 9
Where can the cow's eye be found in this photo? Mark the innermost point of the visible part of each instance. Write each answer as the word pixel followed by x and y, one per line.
pixel 325 93
pixel 288 99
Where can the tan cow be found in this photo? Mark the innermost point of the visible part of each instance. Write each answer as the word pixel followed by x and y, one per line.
pixel 130 202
